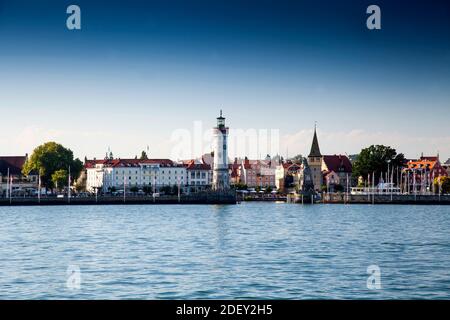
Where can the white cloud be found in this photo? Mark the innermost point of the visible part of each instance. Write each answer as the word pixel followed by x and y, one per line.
pixel 351 142
pixel 94 143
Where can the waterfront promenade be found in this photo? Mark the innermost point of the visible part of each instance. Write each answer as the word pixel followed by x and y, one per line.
pixel 225 198
pixel 197 198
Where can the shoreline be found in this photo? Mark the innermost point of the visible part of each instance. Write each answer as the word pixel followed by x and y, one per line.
pixel 223 199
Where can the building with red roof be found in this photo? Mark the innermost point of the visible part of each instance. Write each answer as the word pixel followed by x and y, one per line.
pixel 109 174
pixel 11 176
pixel 337 171
pixel 198 176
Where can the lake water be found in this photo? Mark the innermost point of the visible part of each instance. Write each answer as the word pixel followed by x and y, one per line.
pixel 245 251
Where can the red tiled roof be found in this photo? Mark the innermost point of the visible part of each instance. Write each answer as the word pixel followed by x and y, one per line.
pixel 14 163
pixel 432 158
pixel 291 166
pixel 431 165
pixel 198 166
pixel 338 163
pixel 418 164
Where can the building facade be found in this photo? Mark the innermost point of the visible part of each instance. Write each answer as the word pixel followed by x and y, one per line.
pixel 198 176
pixel 13 181
pixel 419 175
pixel 337 172
pixel 286 176
pixel 109 174
pixel 257 173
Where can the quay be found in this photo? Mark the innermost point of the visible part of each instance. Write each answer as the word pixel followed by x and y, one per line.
pixel 197 198
pixel 342 198
pixel 386 199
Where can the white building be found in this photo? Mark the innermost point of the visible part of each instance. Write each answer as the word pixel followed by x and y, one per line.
pixel 199 176
pixel 221 178
pixel 108 174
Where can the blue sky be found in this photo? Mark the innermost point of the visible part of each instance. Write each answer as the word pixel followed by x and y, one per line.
pixel 139 70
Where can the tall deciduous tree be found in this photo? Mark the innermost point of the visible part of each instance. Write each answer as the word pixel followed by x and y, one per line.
pixel 376 159
pixel 60 179
pixel 49 158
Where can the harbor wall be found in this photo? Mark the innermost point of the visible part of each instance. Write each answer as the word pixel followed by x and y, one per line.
pixel 197 198
pixel 386 199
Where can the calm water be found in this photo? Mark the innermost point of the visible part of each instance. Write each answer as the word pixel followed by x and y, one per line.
pixel 251 250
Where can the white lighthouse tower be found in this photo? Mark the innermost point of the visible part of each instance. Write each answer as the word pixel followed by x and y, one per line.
pixel 221 180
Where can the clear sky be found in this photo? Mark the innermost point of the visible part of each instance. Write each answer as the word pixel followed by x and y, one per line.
pixel 139 70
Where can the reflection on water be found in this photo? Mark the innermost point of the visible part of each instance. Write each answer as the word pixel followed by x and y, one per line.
pixel 250 250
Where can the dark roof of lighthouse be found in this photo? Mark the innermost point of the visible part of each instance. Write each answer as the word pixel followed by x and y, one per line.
pixel 220 117
pixel 315 150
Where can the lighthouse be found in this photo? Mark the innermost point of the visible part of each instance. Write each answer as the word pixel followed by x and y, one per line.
pixel 221 180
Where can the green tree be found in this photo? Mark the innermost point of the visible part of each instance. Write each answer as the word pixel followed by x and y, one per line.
pixel 297 159
pixel 269 189
pixel 147 189
pixel 60 179
pixel 134 189
pixel 240 186
pixel 376 159
pixel 166 189
pixel 49 158
pixel 444 184
pixel 144 156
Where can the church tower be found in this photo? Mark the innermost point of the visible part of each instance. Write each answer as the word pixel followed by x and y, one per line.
pixel 315 162
pixel 221 180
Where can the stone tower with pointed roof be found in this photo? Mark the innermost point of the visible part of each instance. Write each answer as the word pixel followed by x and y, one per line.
pixel 315 162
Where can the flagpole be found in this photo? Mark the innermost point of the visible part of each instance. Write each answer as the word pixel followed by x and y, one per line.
pixel 10 189
pixel 440 187
pixel 387 175
pixel 96 188
pixel 7 185
pixel 432 183
pixel 347 187
pixel 124 189
pixel 392 181
pixel 368 187
pixel 39 189
pixel 154 187
pixel 179 194
pixel 68 188
pixel 373 187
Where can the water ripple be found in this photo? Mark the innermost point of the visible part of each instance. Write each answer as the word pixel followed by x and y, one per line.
pixel 247 251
